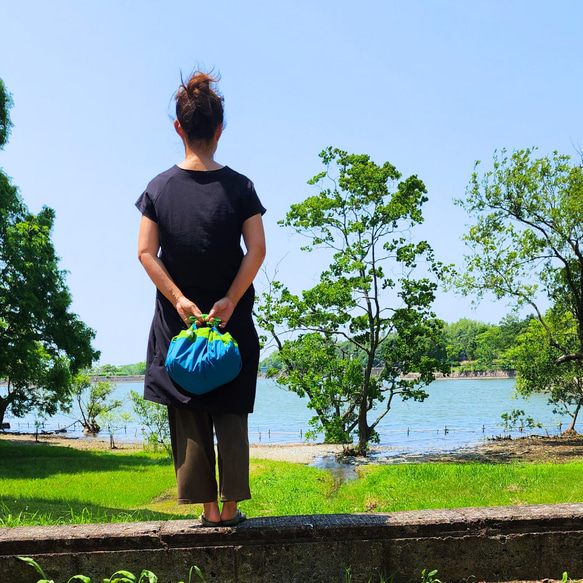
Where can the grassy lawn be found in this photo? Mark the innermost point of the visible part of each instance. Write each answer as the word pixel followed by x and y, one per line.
pixel 48 484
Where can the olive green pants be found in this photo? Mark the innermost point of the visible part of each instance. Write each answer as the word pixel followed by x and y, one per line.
pixel 193 451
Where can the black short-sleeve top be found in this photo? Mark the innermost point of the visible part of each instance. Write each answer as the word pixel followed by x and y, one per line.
pixel 200 215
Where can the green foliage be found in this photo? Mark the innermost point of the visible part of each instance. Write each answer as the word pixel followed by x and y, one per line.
pixel 113 421
pixel 123 576
pixel 111 370
pixel 316 370
pixel 517 419
pixel 154 420
pixel 42 344
pixel 5 123
pixel 536 363
pixel 93 400
pixel 362 214
pixel 272 361
pixel 527 238
pixel 470 345
pixel 460 339
pixel 429 577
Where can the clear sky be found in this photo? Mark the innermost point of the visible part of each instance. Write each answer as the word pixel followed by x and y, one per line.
pixel 429 85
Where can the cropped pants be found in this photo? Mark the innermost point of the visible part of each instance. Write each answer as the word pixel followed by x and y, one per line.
pixel 193 451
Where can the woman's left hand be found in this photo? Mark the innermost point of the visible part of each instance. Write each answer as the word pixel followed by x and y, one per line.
pixel 222 309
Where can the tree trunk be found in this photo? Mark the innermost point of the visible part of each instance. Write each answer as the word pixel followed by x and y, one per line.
pixel 363 424
pixel 5 402
pixel 363 428
pixel 574 418
pixel 3 407
pixel 90 427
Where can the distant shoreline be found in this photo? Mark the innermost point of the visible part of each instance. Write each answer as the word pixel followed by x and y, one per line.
pixel 485 374
pixel 119 379
pixel 456 375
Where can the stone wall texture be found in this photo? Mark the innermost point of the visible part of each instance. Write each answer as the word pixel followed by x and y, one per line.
pixel 479 544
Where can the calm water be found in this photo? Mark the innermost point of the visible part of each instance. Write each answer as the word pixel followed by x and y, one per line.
pixel 458 413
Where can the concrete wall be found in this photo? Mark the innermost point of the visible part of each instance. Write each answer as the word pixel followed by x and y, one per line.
pixel 490 544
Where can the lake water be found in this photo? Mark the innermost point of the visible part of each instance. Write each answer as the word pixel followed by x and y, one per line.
pixel 458 413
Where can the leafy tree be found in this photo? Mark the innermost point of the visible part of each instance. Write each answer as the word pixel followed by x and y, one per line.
pixel 42 344
pixel 363 214
pixel 526 243
pixel 5 123
pixel 154 420
pixel 139 368
pixel 460 339
pixel 93 400
pixel 271 361
pixel 517 419
pixel 316 367
pixel 108 370
pixel 111 370
pixel 536 364
pixel 494 346
pixel 113 421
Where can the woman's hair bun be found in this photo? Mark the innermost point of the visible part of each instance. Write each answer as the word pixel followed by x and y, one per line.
pixel 199 107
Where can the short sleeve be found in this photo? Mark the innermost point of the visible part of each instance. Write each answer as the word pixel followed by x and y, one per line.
pixel 253 206
pixel 146 207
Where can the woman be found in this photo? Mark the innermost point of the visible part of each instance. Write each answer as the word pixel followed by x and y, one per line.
pixel 193 218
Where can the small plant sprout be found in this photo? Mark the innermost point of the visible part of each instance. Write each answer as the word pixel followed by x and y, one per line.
pixel 44 579
pixel 118 577
pixel 517 419
pixel 429 577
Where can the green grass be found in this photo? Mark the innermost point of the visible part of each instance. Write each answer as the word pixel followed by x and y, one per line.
pixel 43 484
pixel 421 486
pixel 47 484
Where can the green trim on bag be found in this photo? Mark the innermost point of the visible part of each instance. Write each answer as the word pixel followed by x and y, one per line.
pixel 211 334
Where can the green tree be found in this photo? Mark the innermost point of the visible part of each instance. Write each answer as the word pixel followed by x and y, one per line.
pixel 536 364
pixel 363 214
pixel 494 346
pixel 5 123
pixel 316 366
pixel 93 400
pixel 154 420
pixel 42 344
pixel 113 421
pixel 525 244
pixel 460 339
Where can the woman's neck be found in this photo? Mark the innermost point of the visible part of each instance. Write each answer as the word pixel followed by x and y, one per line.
pixel 199 159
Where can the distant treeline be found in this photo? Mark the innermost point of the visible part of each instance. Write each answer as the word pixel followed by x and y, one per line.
pixel 123 370
pixel 466 345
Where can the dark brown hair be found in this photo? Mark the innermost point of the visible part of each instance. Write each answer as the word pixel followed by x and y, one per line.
pixel 199 107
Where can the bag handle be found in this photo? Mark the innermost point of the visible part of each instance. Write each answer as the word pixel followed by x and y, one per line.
pixel 197 323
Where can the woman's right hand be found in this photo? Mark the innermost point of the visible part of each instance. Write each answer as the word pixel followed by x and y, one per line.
pixel 186 308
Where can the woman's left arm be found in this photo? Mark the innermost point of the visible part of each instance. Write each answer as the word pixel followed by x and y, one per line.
pixel 254 239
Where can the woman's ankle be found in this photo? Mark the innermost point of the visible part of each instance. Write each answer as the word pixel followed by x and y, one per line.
pixel 211 511
pixel 229 510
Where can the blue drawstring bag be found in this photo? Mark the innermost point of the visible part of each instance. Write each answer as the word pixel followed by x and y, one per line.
pixel 201 359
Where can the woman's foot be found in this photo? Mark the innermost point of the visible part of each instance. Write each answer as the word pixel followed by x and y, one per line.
pixel 230 513
pixel 237 519
pixel 211 515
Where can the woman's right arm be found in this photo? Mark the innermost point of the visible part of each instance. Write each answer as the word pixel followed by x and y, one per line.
pixel 148 247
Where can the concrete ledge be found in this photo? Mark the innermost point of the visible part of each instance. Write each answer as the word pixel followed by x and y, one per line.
pixel 490 544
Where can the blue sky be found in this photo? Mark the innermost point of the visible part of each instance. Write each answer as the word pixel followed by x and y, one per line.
pixel 430 86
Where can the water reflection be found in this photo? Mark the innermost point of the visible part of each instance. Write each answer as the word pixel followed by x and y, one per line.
pixel 341 469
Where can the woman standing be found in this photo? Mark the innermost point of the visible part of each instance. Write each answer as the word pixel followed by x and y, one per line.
pixel 193 218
